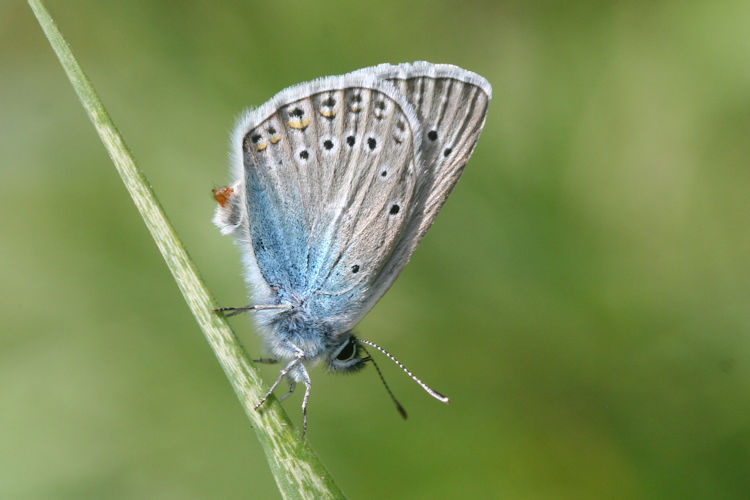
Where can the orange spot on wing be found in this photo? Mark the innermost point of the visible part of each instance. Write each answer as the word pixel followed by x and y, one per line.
pixel 222 195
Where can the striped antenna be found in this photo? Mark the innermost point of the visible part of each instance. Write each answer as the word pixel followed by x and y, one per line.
pixel 432 392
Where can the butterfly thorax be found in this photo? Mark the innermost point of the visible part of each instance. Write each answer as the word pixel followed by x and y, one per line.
pixel 287 332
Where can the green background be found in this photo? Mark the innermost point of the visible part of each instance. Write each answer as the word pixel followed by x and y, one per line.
pixel 583 298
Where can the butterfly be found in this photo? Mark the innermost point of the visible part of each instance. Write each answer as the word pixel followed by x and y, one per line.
pixel 335 182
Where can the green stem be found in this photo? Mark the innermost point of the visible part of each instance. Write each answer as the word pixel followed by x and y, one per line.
pixel 296 468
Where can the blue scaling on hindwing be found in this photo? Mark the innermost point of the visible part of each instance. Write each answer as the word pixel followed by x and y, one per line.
pixel 279 236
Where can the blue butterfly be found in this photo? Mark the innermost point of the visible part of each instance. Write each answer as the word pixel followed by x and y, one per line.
pixel 336 181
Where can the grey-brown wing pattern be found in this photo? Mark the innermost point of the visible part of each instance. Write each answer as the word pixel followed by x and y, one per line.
pixel 328 177
pixel 451 104
pixel 340 178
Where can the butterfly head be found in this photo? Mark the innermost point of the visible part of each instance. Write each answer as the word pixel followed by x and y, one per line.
pixel 346 357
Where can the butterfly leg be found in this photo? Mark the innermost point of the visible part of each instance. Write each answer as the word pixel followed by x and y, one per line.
pixel 292 385
pixel 233 311
pixel 267 361
pixel 306 399
pixel 296 361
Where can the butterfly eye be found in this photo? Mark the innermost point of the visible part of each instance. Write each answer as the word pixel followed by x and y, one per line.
pixel 347 352
pixel 346 357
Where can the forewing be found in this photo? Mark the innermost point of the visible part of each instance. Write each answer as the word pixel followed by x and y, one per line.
pixel 451 104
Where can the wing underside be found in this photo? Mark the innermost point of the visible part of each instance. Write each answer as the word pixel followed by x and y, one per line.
pixel 337 181
pixel 451 105
pixel 328 173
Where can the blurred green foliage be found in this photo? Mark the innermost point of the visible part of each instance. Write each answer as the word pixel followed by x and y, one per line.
pixel 583 298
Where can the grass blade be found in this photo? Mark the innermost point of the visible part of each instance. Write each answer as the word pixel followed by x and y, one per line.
pixel 296 468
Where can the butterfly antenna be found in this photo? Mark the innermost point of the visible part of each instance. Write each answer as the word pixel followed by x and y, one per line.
pixel 382 379
pixel 432 392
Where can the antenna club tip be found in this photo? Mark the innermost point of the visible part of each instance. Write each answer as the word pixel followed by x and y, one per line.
pixel 441 398
pixel 401 411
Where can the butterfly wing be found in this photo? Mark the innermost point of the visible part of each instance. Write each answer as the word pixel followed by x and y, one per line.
pixel 325 172
pixel 339 179
pixel 451 104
